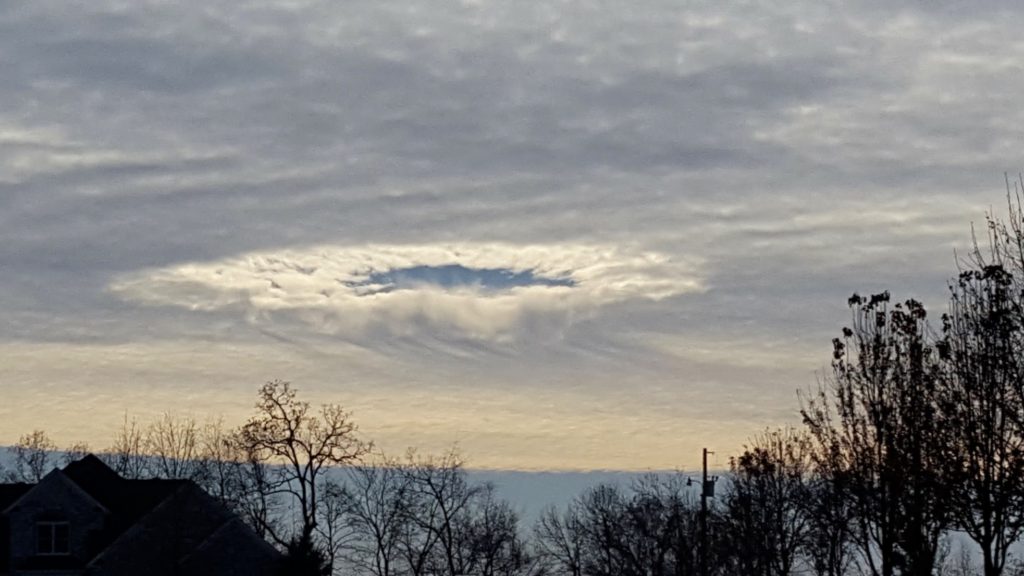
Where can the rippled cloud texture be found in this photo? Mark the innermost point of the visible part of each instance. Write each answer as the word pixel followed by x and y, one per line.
pixel 336 290
pixel 565 234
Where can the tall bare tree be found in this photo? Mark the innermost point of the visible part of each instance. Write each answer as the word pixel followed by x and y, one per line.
pixel 490 543
pixel 221 462
pixel 646 529
pixel 425 517
pixel 561 540
pixel 33 457
pixel 333 530
pixel 766 506
pixel 377 514
pixel 300 444
pixel 127 455
pixel 440 495
pixel 172 446
pixel 257 495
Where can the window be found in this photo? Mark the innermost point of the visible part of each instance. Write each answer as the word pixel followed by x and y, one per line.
pixel 52 538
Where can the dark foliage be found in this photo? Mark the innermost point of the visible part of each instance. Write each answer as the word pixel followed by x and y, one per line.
pixel 875 423
pixel 303 558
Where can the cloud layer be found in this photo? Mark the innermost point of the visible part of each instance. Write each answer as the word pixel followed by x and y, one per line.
pixel 714 177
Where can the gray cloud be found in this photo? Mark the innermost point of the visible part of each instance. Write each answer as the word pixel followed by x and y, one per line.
pixel 797 150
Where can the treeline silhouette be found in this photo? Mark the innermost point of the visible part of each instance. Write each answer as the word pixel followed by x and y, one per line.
pixel 913 436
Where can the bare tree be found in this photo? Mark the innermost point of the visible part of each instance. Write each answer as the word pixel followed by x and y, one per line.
pixel 648 530
pixel 661 526
pixel 489 543
pixel 766 506
pixel 439 495
pixel 333 529
pixel 561 540
pixel 76 451
pixel 33 457
pixel 127 454
pixel 237 478
pixel 603 509
pixel 172 447
pixel 221 462
pixel 1005 238
pixel 424 517
pixel 377 514
pixel 300 444
pixel 257 496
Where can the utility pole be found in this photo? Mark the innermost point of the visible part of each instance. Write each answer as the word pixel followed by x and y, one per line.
pixel 704 518
pixel 707 490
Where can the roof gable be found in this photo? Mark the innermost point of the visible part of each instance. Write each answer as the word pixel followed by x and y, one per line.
pixel 129 500
pixel 55 488
pixel 90 472
pixel 249 554
pixel 162 537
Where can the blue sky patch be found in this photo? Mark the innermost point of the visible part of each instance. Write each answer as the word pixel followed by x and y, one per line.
pixel 457 276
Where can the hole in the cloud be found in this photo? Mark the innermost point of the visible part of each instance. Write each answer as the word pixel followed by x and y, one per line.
pixel 455 276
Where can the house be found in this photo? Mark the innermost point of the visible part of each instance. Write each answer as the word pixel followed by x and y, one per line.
pixel 86 520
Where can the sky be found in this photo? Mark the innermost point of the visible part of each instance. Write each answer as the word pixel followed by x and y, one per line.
pixel 560 234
